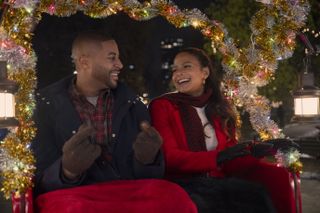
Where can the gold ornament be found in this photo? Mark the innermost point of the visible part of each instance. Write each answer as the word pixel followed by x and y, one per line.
pixel 273 26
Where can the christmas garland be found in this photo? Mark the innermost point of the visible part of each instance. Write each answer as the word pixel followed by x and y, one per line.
pixel 274 28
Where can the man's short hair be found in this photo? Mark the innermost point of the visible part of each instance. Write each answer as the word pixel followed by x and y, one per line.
pixel 89 37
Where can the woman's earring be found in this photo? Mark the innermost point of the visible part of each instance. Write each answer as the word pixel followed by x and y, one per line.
pixel 204 81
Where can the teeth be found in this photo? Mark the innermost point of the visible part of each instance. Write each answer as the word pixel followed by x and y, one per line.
pixel 183 80
pixel 115 73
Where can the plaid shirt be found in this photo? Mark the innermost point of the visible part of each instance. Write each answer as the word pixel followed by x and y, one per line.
pixel 99 116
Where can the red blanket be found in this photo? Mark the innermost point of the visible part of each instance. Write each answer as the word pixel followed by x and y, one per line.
pixel 128 196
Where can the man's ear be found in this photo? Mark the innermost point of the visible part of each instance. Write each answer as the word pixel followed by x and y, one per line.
pixel 84 61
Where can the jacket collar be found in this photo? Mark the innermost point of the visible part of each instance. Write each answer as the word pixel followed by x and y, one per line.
pixel 124 98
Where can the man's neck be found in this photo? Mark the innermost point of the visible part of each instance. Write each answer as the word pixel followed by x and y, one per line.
pixel 88 92
pixel 86 88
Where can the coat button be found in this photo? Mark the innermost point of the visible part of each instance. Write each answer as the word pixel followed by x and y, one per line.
pixel 113 135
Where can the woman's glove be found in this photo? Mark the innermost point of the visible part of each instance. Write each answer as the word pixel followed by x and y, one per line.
pixel 257 149
pixel 238 150
pixel 79 153
pixel 147 144
pixel 270 147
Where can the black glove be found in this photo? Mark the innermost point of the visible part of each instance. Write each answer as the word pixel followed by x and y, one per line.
pixel 147 144
pixel 283 144
pixel 238 150
pixel 79 153
pixel 270 147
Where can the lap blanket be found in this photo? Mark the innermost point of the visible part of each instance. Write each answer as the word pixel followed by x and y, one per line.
pixel 121 196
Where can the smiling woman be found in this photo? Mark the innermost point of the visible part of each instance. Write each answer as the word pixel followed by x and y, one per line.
pixel 201 150
pixel 188 75
pixel 241 68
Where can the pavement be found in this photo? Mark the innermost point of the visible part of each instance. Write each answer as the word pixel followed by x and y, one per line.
pixel 310 188
pixel 310 185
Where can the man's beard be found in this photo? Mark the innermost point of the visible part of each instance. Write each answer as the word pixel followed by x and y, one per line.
pixel 100 74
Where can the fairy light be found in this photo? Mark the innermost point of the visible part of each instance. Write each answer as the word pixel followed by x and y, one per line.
pixel 21 17
pixel 172 10
pixel 195 23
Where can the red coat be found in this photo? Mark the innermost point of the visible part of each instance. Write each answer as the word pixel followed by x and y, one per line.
pixel 180 161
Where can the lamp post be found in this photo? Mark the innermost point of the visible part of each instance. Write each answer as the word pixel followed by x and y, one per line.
pixel 306 120
pixel 7 100
pixel 306 104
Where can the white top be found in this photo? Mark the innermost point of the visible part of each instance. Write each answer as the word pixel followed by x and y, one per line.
pixel 208 130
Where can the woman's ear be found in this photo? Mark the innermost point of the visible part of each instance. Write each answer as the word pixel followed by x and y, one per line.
pixel 206 72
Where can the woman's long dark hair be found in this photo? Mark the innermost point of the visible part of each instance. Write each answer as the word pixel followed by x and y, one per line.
pixel 217 105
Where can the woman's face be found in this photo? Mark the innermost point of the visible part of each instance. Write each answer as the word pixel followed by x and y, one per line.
pixel 187 74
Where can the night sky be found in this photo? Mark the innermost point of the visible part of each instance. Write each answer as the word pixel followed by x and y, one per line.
pixel 139 44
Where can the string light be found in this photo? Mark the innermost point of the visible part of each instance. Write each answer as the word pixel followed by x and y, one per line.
pixel 315 35
pixel 241 66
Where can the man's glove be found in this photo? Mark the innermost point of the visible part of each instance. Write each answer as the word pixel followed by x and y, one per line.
pixel 79 153
pixel 238 150
pixel 270 147
pixel 147 144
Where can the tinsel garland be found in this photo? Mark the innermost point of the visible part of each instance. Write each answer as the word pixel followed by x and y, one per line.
pixel 16 159
pixel 274 28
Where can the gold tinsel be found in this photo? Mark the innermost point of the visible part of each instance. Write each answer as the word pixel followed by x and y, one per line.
pixel 19 23
pixel 17 28
pixel 18 177
pixel 18 171
pixel 97 10
pixel 296 167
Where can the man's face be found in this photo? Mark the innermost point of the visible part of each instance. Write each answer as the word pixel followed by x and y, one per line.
pixel 106 66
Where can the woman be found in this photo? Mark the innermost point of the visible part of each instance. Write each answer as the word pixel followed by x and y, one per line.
pixel 198 130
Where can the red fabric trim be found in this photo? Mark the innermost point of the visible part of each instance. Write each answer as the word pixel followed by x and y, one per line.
pixel 134 196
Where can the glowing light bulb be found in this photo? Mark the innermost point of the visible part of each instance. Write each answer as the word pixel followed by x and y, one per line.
pixel 195 23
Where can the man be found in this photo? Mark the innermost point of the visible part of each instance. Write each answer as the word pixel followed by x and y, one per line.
pixel 89 125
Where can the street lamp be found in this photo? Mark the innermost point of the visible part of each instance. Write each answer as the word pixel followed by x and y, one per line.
pixel 306 103
pixel 306 120
pixel 7 100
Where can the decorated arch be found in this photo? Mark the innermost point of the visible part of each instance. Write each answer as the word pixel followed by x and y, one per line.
pixel 274 29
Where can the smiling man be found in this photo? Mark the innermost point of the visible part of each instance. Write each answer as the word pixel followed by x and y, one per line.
pixel 91 129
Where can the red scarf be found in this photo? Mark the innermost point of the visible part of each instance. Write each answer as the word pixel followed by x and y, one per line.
pixel 190 118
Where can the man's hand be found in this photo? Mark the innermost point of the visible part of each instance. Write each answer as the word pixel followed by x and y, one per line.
pixel 147 144
pixel 238 150
pixel 79 153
